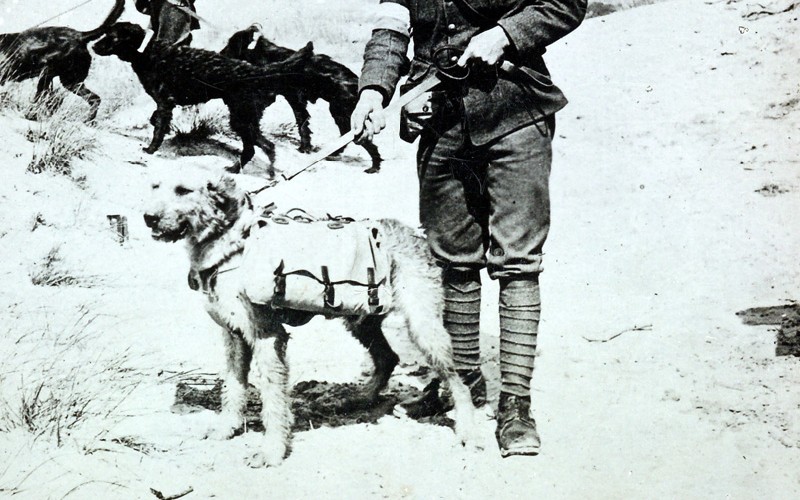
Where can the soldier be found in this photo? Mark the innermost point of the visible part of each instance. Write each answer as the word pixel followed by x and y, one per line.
pixel 483 162
pixel 170 20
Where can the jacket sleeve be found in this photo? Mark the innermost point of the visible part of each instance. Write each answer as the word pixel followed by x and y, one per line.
pixel 386 53
pixel 535 24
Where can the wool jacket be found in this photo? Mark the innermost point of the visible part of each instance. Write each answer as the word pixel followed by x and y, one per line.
pixel 495 102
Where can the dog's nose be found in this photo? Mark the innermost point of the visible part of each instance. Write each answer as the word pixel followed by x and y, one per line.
pixel 151 220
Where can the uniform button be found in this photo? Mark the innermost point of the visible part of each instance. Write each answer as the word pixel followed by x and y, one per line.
pixel 451 27
pixel 497 252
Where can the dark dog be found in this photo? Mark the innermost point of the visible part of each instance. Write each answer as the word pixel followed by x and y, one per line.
pixel 179 75
pixel 324 79
pixel 54 52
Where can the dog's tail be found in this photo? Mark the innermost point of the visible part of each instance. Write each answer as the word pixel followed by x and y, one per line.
pixel 116 11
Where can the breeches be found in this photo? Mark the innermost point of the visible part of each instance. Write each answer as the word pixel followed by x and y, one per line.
pixel 489 205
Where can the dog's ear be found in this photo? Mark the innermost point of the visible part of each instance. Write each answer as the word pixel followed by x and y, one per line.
pixel 225 184
pixel 225 194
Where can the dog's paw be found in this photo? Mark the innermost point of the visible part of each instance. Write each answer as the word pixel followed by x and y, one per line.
pixel 222 430
pixel 305 148
pixel 234 169
pixel 270 456
pixel 149 150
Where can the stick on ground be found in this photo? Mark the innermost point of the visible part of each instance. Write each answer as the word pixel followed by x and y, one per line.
pixel 634 329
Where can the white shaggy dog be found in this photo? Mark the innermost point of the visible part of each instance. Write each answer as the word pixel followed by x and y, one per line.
pixel 215 219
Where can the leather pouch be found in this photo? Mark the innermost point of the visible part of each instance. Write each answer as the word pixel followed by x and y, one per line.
pixel 416 115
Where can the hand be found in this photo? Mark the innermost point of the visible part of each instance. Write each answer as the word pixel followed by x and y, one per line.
pixel 487 46
pixel 368 119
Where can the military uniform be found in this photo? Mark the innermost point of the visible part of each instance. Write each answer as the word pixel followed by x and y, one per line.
pixel 484 165
pixel 153 8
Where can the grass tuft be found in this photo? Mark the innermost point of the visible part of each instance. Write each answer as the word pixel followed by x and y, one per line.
pixel 53 271
pixel 56 379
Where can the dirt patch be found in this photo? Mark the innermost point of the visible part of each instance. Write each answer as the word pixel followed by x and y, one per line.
pixel 771 190
pixel 314 404
pixel 787 316
pixel 771 315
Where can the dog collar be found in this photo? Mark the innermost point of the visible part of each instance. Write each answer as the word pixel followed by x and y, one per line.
pixel 147 37
pixel 256 36
pixel 206 279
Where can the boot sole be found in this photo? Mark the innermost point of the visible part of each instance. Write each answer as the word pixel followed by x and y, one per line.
pixel 527 450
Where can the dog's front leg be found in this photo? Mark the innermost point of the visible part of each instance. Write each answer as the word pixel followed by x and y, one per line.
pixel 160 119
pixel 234 387
pixel 269 374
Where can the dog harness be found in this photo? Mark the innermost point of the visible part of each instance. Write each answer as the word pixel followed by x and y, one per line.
pixel 295 261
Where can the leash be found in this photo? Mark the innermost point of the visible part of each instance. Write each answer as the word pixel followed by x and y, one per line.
pixel 330 148
pixel 61 13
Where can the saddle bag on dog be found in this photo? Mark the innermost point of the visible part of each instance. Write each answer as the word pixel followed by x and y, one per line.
pixel 321 266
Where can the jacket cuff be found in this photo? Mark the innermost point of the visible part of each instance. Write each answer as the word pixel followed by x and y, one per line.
pixel 386 96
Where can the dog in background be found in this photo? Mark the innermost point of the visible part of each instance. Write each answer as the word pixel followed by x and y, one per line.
pixel 324 79
pixel 217 221
pixel 181 76
pixel 53 52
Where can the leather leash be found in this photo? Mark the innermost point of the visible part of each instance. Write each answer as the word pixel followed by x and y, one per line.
pixel 334 146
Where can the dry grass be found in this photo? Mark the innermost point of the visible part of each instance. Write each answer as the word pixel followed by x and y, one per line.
pixel 58 141
pixel 52 270
pixel 58 378
pixel 199 123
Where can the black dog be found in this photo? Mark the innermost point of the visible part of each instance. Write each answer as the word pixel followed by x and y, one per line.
pixel 54 52
pixel 324 79
pixel 180 75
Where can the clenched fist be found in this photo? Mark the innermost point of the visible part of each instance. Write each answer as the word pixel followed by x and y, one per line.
pixel 368 118
pixel 487 47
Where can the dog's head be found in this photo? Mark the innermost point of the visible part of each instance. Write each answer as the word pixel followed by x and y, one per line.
pixel 121 39
pixel 194 210
pixel 242 42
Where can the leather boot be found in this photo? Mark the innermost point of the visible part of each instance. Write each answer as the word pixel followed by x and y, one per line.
pixel 516 430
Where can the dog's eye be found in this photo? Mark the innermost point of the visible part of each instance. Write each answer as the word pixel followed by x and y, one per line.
pixel 181 191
